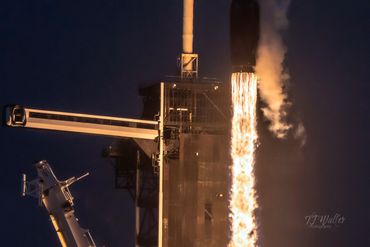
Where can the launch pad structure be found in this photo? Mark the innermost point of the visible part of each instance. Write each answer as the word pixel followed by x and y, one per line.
pixel 180 178
pixel 175 168
pixel 174 165
pixel 195 206
pixel 193 166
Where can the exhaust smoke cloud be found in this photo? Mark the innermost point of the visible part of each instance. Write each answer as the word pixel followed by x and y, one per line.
pixel 270 64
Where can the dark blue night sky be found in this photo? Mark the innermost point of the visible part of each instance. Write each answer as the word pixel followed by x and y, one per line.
pixel 91 56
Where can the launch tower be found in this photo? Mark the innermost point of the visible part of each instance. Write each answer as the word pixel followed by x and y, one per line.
pixel 174 165
pixel 187 166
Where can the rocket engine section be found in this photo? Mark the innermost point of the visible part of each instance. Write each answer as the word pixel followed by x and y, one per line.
pixel 244 34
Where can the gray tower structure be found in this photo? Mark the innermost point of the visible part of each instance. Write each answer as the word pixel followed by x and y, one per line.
pixel 195 167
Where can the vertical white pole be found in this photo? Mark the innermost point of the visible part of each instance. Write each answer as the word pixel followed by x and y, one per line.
pixel 187 33
pixel 137 194
pixel 187 30
pixel 161 163
pixel 24 184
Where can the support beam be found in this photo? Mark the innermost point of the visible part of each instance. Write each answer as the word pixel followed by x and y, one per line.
pixel 18 116
pixel 161 161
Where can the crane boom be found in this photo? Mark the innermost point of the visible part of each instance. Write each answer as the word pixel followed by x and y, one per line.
pixel 58 201
pixel 18 116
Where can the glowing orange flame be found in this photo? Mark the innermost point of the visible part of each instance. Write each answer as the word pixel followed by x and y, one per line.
pixel 243 140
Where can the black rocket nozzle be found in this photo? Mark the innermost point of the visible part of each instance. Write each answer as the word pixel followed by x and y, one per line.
pixel 244 34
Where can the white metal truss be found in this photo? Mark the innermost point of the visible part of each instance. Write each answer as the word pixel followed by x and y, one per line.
pixel 17 116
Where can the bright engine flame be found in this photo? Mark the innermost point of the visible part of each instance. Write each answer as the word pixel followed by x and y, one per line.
pixel 243 140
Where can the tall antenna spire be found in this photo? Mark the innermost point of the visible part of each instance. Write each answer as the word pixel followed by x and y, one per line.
pixel 189 60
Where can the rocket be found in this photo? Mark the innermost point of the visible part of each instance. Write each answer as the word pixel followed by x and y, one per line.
pixel 244 34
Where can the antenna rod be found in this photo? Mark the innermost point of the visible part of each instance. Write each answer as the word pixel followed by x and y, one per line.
pixel 24 184
pixel 81 177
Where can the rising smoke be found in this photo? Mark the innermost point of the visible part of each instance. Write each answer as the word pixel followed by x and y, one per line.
pixel 270 64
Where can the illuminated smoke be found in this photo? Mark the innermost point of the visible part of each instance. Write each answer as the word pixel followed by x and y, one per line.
pixel 300 134
pixel 243 142
pixel 269 68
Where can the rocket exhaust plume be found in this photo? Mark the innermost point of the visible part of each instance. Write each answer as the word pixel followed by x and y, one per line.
pixel 244 37
pixel 269 68
pixel 243 201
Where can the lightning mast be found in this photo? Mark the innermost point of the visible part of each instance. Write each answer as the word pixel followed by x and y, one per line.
pixel 188 59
